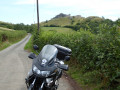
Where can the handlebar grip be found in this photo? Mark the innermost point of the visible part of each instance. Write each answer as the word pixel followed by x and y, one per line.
pixel 32 55
pixel 64 67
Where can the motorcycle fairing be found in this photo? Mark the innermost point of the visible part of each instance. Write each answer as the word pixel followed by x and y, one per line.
pixel 49 52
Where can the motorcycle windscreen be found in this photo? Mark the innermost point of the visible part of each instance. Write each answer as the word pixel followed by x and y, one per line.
pixel 48 52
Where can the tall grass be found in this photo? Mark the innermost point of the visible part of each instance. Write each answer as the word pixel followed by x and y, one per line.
pixel 9 37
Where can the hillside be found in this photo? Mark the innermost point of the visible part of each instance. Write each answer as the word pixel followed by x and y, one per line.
pixel 57 22
pixel 67 20
pixel 6 29
pixel 61 15
pixel 62 20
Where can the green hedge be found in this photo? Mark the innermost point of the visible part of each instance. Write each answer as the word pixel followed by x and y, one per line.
pixel 97 55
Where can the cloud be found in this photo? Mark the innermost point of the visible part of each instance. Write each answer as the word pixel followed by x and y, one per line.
pixel 80 4
pixel 20 2
pixel 93 7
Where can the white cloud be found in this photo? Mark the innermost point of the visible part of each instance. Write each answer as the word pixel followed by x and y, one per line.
pixel 107 8
pixel 85 4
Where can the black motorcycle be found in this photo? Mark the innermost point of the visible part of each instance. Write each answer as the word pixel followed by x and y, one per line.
pixel 47 67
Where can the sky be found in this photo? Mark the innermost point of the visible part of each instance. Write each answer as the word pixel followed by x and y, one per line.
pixel 24 11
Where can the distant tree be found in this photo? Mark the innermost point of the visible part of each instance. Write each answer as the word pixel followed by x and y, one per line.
pixel 108 21
pixel 19 26
pixel 118 22
pixel 72 22
pixel 46 21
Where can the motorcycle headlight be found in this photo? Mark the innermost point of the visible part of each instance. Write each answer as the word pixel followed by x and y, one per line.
pixel 42 73
pixel 45 73
pixel 36 70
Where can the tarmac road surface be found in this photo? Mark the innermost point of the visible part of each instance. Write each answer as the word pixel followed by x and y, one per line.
pixel 14 66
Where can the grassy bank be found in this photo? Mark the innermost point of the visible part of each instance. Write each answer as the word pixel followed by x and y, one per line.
pixel 95 57
pixel 9 36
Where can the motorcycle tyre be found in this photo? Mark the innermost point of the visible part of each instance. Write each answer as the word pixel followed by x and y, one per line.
pixel 30 87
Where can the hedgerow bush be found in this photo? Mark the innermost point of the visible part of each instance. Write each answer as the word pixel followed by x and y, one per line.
pixel 97 55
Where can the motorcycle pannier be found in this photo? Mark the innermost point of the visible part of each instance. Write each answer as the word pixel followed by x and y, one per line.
pixel 62 51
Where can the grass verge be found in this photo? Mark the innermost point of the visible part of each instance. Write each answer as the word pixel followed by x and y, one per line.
pixel 29 45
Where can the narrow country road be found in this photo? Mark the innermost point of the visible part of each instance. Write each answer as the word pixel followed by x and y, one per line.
pixel 14 66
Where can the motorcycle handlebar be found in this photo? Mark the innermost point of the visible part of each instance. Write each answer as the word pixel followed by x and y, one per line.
pixel 64 67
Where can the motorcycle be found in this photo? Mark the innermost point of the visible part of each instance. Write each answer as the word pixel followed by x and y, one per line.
pixel 47 67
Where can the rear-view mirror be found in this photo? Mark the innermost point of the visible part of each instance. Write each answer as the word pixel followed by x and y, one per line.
pixel 35 47
pixel 67 58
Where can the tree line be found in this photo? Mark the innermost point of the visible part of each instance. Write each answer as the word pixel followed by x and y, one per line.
pixel 20 26
pixel 92 24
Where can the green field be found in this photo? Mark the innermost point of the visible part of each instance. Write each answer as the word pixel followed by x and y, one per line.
pixel 57 29
pixel 9 36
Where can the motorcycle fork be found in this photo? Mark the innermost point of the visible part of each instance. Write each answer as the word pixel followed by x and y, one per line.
pixel 33 82
pixel 42 85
